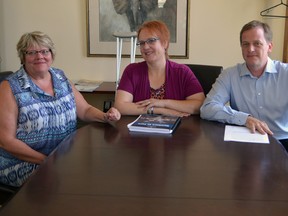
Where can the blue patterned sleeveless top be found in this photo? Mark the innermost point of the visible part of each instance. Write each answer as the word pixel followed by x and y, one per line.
pixel 43 120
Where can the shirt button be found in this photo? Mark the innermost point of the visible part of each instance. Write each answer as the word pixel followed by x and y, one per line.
pixel 259 94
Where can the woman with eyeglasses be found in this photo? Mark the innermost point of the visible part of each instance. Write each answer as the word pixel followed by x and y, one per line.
pixel 39 108
pixel 157 85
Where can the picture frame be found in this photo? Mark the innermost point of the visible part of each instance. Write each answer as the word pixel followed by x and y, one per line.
pixel 105 17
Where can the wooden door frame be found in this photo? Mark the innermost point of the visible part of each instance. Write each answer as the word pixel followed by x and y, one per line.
pixel 285 49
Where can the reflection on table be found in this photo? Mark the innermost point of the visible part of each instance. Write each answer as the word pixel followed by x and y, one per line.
pixel 105 170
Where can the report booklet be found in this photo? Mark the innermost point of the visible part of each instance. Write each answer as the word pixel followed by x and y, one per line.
pixel 154 123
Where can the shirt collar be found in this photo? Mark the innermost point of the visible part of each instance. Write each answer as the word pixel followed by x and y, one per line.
pixel 270 68
pixel 26 82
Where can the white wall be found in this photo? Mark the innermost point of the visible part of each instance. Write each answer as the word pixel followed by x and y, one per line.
pixel 213 36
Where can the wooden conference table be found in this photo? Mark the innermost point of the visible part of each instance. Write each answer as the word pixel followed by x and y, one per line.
pixel 105 170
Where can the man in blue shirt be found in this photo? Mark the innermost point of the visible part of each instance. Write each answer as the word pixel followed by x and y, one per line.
pixel 253 93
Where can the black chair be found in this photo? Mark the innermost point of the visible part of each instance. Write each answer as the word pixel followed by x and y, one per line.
pixel 206 74
pixel 4 74
pixel 6 193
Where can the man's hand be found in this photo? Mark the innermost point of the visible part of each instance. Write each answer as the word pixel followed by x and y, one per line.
pixel 255 124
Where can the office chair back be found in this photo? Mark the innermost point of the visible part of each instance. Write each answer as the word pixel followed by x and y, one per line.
pixel 4 74
pixel 206 74
pixel 6 193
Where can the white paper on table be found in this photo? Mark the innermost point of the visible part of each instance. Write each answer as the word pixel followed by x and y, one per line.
pixel 87 85
pixel 243 134
pixel 84 88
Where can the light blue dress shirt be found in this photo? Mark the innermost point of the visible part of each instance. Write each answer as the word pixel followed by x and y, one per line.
pixel 265 98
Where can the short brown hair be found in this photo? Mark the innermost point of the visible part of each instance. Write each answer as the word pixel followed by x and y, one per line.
pixel 34 38
pixel 255 24
pixel 160 29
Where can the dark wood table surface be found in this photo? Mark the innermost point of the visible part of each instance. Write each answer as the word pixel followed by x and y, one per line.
pixel 105 170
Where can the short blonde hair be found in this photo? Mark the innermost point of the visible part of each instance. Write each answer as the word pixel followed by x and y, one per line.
pixel 35 38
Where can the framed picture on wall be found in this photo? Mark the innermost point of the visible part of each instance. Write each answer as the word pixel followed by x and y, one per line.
pixel 104 17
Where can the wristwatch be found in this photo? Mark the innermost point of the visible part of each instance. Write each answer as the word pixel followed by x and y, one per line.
pixel 150 111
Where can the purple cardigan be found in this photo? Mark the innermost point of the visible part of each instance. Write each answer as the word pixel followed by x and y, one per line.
pixel 179 84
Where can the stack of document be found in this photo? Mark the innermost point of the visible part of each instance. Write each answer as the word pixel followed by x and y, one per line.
pixel 87 85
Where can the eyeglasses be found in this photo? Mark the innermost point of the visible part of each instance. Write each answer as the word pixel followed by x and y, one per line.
pixel 149 41
pixel 35 52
